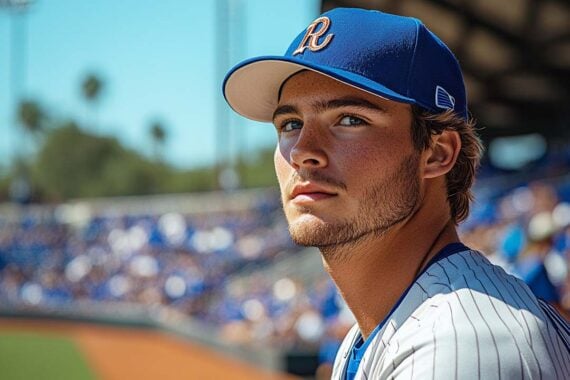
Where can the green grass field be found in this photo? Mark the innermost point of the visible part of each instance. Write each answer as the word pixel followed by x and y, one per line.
pixel 31 356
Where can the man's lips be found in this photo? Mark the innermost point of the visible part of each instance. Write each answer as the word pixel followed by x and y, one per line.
pixel 311 197
pixel 310 192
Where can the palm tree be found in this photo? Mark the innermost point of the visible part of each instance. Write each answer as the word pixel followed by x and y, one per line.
pixel 91 89
pixel 31 117
pixel 158 135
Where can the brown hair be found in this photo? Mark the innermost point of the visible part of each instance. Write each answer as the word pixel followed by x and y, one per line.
pixel 461 176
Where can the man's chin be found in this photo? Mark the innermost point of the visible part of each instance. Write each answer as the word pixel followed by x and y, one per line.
pixel 311 231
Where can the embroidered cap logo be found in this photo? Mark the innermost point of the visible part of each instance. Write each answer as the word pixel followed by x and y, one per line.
pixel 311 39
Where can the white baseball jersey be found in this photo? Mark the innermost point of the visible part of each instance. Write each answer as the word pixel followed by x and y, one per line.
pixel 464 318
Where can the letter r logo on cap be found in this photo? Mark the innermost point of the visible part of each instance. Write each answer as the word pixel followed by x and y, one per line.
pixel 311 39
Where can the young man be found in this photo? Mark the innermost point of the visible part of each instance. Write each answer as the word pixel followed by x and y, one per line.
pixel 375 160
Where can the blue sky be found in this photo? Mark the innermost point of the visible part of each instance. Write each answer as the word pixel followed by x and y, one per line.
pixel 159 61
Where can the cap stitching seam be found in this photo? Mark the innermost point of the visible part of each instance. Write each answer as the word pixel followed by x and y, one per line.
pixel 413 61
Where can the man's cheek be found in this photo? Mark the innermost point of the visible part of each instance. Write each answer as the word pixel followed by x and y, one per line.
pixel 281 170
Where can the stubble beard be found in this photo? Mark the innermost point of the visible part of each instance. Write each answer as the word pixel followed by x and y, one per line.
pixel 383 206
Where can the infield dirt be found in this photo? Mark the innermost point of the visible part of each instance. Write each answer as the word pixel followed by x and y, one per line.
pixel 116 353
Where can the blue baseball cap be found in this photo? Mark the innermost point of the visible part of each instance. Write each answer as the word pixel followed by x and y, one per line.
pixel 394 57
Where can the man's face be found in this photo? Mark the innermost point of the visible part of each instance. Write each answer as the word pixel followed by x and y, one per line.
pixel 345 161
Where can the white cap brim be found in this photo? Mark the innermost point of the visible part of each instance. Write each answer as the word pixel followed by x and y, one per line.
pixel 252 88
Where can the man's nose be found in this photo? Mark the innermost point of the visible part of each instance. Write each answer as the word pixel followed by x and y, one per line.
pixel 308 151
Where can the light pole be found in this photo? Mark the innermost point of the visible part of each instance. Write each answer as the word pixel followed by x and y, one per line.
pixel 221 63
pixel 229 38
pixel 19 189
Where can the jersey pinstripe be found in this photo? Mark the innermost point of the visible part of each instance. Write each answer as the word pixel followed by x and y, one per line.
pixel 465 318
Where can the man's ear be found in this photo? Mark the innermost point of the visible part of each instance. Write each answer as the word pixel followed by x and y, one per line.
pixel 442 154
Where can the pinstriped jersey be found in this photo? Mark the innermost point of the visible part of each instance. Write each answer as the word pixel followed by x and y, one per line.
pixel 464 318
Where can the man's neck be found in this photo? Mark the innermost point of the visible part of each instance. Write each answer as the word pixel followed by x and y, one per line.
pixel 378 270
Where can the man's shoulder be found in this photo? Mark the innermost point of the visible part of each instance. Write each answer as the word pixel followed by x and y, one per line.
pixel 455 342
pixel 465 289
pixel 468 333
pixel 476 317
pixel 468 274
pixel 465 295
pixel 465 316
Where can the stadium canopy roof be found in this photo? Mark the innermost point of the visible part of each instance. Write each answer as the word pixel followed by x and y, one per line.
pixel 515 56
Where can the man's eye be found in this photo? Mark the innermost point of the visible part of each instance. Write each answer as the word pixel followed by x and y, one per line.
pixel 289 125
pixel 350 121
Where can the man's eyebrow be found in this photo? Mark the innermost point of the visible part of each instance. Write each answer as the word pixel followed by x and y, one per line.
pixel 347 102
pixel 322 106
pixel 284 109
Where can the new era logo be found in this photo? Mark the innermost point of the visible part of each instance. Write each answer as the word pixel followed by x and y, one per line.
pixel 443 99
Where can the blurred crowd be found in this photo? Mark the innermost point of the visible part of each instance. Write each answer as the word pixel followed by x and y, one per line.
pixel 188 262
pixel 195 262
pixel 527 232
pixel 173 259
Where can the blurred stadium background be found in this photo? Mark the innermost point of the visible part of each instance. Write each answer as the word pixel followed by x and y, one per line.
pixel 107 244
